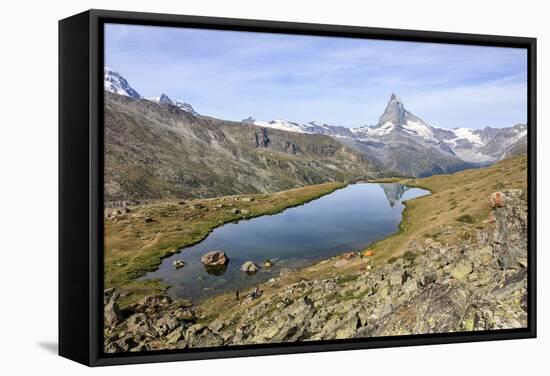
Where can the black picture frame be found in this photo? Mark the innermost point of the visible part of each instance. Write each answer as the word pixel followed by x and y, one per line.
pixel 81 184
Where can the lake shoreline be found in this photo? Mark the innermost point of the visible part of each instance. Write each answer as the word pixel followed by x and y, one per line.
pixel 419 267
pixel 346 220
pixel 276 203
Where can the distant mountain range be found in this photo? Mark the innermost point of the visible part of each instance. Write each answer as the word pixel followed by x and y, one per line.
pixel 400 142
pixel 403 142
pixel 155 149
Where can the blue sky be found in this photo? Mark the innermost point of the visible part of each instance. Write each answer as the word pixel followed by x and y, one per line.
pixel 340 81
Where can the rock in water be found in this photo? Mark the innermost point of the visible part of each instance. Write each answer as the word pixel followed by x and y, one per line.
pixel 178 264
pixel 214 258
pixel 249 267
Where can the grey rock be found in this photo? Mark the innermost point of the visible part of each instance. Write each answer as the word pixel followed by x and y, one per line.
pixel 249 267
pixel 215 258
pixel 112 314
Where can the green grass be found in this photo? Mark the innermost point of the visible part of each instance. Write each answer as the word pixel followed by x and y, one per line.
pixel 428 214
pixel 417 225
pixel 133 247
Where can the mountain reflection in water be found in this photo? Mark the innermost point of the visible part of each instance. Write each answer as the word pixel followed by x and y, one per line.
pixel 348 219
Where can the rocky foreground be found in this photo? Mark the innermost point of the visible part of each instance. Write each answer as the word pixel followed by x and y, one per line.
pixel 479 284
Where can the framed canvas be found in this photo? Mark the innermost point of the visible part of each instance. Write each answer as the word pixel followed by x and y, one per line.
pixel 234 187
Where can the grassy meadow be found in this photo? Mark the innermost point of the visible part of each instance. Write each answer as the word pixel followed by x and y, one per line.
pixel 138 238
pixel 137 241
pixel 458 205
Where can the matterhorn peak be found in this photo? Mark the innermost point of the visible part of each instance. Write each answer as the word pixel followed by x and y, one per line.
pixel 395 113
pixel 394 98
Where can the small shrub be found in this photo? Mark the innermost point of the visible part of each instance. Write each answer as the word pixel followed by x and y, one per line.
pixel 466 218
pixel 466 236
pixel 409 256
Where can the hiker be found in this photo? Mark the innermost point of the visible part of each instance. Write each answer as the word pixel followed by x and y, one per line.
pixel 237 295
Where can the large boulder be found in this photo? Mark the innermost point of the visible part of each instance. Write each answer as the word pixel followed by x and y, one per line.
pixel 497 199
pixel 349 256
pixel 215 258
pixel 249 267
pixel 196 206
pixel 110 294
pixel 509 227
pixel 112 315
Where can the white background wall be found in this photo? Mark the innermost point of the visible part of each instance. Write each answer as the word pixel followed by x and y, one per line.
pixel 28 185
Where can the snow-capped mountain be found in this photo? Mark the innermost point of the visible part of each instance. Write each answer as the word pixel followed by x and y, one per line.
pixel 164 99
pixel 488 145
pixel 403 142
pixel 313 127
pixel 400 141
pixel 397 118
pixel 278 124
pixel 115 83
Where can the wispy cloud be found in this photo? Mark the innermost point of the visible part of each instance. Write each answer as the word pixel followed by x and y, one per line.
pixel 342 81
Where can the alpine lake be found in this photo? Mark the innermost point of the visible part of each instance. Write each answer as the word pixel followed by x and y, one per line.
pixel 349 219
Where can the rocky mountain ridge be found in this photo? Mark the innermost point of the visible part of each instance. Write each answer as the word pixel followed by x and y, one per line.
pixel 157 150
pixel 164 99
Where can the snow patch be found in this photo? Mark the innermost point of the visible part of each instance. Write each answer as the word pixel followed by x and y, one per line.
pixel 466 133
pixel 420 129
pixel 383 130
pixel 282 125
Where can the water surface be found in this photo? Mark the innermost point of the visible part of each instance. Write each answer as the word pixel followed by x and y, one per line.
pixel 348 219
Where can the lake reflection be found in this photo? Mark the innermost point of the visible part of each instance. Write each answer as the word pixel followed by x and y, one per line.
pixel 347 219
